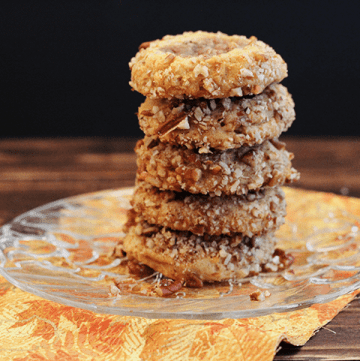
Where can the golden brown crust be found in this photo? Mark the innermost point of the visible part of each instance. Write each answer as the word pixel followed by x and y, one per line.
pixel 182 255
pixel 234 171
pixel 257 212
pixel 209 65
pixel 219 124
pixel 207 200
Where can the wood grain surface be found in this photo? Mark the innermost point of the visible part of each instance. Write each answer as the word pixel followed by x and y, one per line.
pixel 37 171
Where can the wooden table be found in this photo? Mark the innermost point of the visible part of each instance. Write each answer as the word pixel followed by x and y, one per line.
pixel 37 171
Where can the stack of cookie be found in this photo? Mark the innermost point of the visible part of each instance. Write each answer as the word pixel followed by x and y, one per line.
pixel 207 199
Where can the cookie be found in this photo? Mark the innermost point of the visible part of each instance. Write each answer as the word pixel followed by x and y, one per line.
pixel 185 256
pixel 234 171
pixel 257 212
pixel 201 64
pixel 219 123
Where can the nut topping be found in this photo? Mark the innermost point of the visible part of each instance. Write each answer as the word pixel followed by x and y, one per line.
pixel 168 287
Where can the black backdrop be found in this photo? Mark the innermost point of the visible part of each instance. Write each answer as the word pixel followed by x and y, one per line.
pixel 64 64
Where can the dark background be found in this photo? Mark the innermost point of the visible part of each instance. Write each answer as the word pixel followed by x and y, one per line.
pixel 64 64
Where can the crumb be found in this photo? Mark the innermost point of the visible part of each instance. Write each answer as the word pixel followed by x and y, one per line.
pixel 114 290
pixel 267 293
pixel 257 295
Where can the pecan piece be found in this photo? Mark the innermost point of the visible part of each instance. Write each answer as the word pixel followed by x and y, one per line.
pixel 145 45
pixel 168 287
pixel 152 142
pixel 147 113
pixel 286 259
pixel 256 89
pixel 215 170
pixel 253 39
pixel 170 57
pixel 193 281
pixel 192 175
pixel 240 113
pixel 260 57
pixel 277 144
pixel 257 296
pixel 171 124
pixel 142 175
pixel 149 231
pixel 277 116
pixel 249 158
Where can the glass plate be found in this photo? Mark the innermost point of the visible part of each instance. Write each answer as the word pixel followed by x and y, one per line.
pixel 63 252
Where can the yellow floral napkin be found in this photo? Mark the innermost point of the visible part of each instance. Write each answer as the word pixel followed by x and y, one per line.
pixel 32 328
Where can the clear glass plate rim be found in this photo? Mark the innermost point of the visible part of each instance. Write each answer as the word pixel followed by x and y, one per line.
pixel 150 313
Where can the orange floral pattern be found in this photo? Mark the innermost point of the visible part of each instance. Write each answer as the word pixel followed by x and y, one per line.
pixel 32 328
